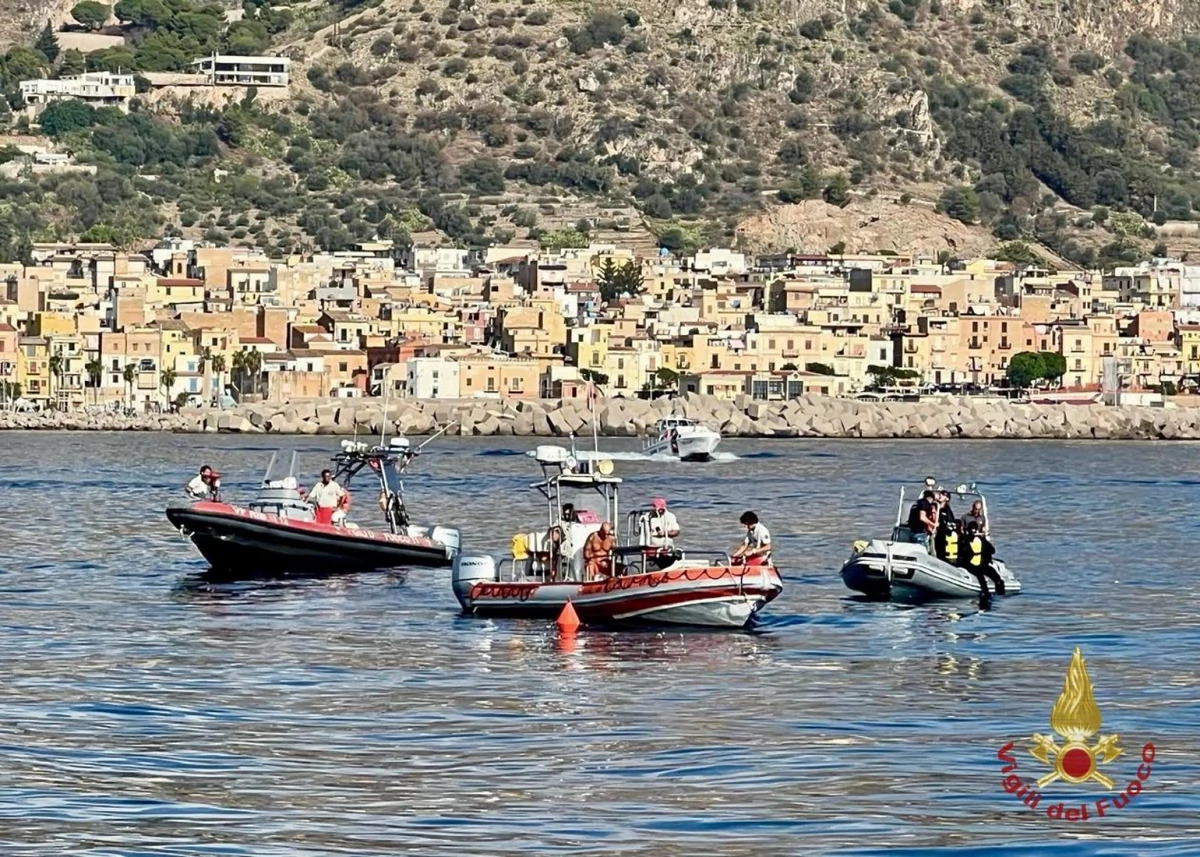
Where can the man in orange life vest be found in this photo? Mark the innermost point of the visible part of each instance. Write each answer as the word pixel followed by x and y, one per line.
pixel 327 497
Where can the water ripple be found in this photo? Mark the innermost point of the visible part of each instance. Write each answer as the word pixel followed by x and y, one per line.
pixel 147 710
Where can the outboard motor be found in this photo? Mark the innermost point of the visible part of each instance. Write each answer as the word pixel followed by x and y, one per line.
pixel 448 536
pixel 469 570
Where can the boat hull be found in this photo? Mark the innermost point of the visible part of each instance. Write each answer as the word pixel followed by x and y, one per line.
pixel 915 575
pixel 694 595
pixel 239 540
pixel 698 446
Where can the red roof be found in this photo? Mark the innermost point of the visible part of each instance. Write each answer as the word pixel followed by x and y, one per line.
pixel 179 281
pixel 923 289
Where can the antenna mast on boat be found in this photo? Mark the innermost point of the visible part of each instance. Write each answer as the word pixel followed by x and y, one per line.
pixel 384 420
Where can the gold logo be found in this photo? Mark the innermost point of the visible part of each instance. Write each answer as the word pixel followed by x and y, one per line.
pixel 1076 718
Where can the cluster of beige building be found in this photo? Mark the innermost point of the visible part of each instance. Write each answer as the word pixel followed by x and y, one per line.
pixel 183 323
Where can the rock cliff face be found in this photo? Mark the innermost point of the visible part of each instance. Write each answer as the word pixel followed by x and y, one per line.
pixel 806 417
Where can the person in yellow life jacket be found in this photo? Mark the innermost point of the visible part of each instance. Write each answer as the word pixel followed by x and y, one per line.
pixel 947 542
pixel 975 555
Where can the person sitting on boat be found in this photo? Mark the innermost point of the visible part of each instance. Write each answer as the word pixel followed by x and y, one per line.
pixel 976 515
pixel 597 552
pixel 755 549
pixel 975 555
pixel 327 497
pixel 205 485
pixel 663 525
pixel 568 514
pixel 922 518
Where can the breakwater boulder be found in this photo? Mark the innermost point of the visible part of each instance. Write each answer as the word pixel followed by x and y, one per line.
pixel 807 416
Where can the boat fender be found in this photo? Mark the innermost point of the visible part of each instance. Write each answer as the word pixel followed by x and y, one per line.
pixel 383 501
pixel 860 546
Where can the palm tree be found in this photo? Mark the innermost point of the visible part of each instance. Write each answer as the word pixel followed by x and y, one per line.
pixel 130 375
pixel 218 366
pixel 247 365
pixel 254 368
pixel 167 379
pixel 56 367
pixel 94 369
pixel 239 371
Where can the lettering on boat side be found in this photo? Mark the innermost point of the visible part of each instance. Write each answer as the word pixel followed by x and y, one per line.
pixel 1076 718
pixel 520 591
pixel 267 518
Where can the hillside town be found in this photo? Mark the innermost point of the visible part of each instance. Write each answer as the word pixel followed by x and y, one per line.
pixel 89 325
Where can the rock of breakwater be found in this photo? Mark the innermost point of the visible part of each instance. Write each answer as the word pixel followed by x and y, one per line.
pixel 808 416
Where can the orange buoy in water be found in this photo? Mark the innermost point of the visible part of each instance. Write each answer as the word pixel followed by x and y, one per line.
pixel 567 620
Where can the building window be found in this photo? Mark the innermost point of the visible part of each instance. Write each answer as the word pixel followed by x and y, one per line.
pixel 343 366
pixel 491 385
pixel 469 381
pixel 974 327
pixel 620 382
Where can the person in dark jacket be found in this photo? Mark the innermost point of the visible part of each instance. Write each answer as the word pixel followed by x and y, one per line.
pixel 975 554
pixel 922 519
pixel 946 524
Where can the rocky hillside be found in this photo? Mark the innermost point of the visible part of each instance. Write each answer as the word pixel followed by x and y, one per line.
pixel 1074 125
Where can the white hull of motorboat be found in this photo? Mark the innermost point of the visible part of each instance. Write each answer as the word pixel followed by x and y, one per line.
pixel 698 444
pixel 905 571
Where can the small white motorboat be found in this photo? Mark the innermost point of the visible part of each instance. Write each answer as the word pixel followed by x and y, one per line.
pixel 683 438
pixel 901 569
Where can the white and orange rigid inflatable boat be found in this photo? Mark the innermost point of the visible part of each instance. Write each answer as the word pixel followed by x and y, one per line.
pixel 646 583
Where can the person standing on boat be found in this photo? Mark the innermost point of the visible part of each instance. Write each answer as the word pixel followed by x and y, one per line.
pixel 976 515
pixel 923 519
pixel 755 548
pixel 205 485
pixel 597 552
pixel 663 525
pixel 327 497
pixel 975 555
pixel 946 524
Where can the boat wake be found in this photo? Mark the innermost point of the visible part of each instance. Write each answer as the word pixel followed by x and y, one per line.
pixel 592 455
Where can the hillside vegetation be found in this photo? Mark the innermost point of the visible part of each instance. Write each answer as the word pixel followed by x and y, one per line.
pixel 545 119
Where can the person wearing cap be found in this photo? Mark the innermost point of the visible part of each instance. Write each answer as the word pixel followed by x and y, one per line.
pixel 663 525
pixel 205 485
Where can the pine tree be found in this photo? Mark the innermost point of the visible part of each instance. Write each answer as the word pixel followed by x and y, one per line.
pixel 47 43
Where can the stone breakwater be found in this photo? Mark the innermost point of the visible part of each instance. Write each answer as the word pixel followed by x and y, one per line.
pixel 808 416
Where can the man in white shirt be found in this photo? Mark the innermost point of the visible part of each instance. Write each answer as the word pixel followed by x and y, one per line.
pixel 663 526
pixel 202 486
pixel 327 497
pixel 755 549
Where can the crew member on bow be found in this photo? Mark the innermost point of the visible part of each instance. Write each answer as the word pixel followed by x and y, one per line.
pixel 328 497
pixel 975 554
pixel 755 548
pixel 206 485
